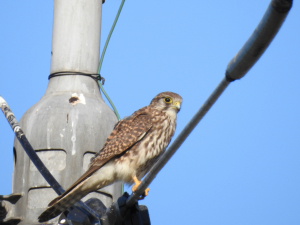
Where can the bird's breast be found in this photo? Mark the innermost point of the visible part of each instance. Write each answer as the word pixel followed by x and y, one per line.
pixel 139 159
pixel 154 142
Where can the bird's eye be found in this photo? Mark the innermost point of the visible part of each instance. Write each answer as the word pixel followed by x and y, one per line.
pixel 168 100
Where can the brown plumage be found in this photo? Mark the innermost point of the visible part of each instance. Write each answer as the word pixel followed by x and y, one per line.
pixel 128 153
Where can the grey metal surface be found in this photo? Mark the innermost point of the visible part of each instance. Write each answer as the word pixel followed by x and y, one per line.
pixel 71 119
pixel 76 35
pixel 55 127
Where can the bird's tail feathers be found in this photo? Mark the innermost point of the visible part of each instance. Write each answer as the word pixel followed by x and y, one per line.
pixel 59 205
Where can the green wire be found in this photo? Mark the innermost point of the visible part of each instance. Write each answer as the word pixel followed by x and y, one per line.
pixel 109 35
pixel 100 65
pixel 102 57
pixel 108 98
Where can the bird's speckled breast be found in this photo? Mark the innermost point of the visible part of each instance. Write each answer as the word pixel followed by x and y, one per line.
pixel 146 152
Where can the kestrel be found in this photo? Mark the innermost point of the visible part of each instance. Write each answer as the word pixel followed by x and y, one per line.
pixel 131 149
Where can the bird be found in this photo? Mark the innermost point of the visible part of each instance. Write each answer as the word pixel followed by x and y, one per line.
pixel 133 146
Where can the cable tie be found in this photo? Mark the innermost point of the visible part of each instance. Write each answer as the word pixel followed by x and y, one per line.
pixel 96 76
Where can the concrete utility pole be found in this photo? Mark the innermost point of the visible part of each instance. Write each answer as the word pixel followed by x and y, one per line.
pixel 71 121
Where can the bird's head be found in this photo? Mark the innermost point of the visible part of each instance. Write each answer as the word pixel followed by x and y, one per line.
pixel 167 101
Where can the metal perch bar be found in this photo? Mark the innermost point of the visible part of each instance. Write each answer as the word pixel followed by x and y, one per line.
pixel 36 160
pixel 259 40
pixel 236 69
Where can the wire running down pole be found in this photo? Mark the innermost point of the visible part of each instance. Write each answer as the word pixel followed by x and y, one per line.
pixel 236 69
pixel 102 57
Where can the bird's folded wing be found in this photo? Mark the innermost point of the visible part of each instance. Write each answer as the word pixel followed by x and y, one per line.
pixel 127 132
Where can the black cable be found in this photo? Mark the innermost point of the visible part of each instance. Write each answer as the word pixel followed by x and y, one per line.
pixel 96 76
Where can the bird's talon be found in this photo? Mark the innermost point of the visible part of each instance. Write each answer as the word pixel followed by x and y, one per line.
pixel 134 187
pixel 144 194
pixel 137 184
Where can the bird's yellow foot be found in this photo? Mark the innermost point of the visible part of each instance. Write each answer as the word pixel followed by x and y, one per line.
pixel 135 186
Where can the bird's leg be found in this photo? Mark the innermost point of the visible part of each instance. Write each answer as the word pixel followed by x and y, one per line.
pixel 137 183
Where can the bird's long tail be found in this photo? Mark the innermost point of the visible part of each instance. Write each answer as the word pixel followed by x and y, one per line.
pixel 60 204
pixel 88 182
pixel 84 185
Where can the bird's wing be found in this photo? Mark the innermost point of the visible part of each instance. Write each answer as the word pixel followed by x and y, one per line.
pixel 124 136
pixel 127 132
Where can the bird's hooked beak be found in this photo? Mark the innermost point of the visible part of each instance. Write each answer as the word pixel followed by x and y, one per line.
pixel 176 105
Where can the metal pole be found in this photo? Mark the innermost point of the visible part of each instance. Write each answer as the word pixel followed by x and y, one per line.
pixel 76 35
pixel 236 69
pixel 71 122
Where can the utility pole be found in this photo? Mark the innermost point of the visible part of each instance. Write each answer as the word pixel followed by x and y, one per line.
pixel 71 121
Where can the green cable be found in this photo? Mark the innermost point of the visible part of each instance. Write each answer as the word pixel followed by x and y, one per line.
pixel 109 35
pixel 110 102
pixel 102 56
pixel 100 65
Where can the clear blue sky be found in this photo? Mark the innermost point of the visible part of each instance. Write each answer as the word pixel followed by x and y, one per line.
pixel 241 165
